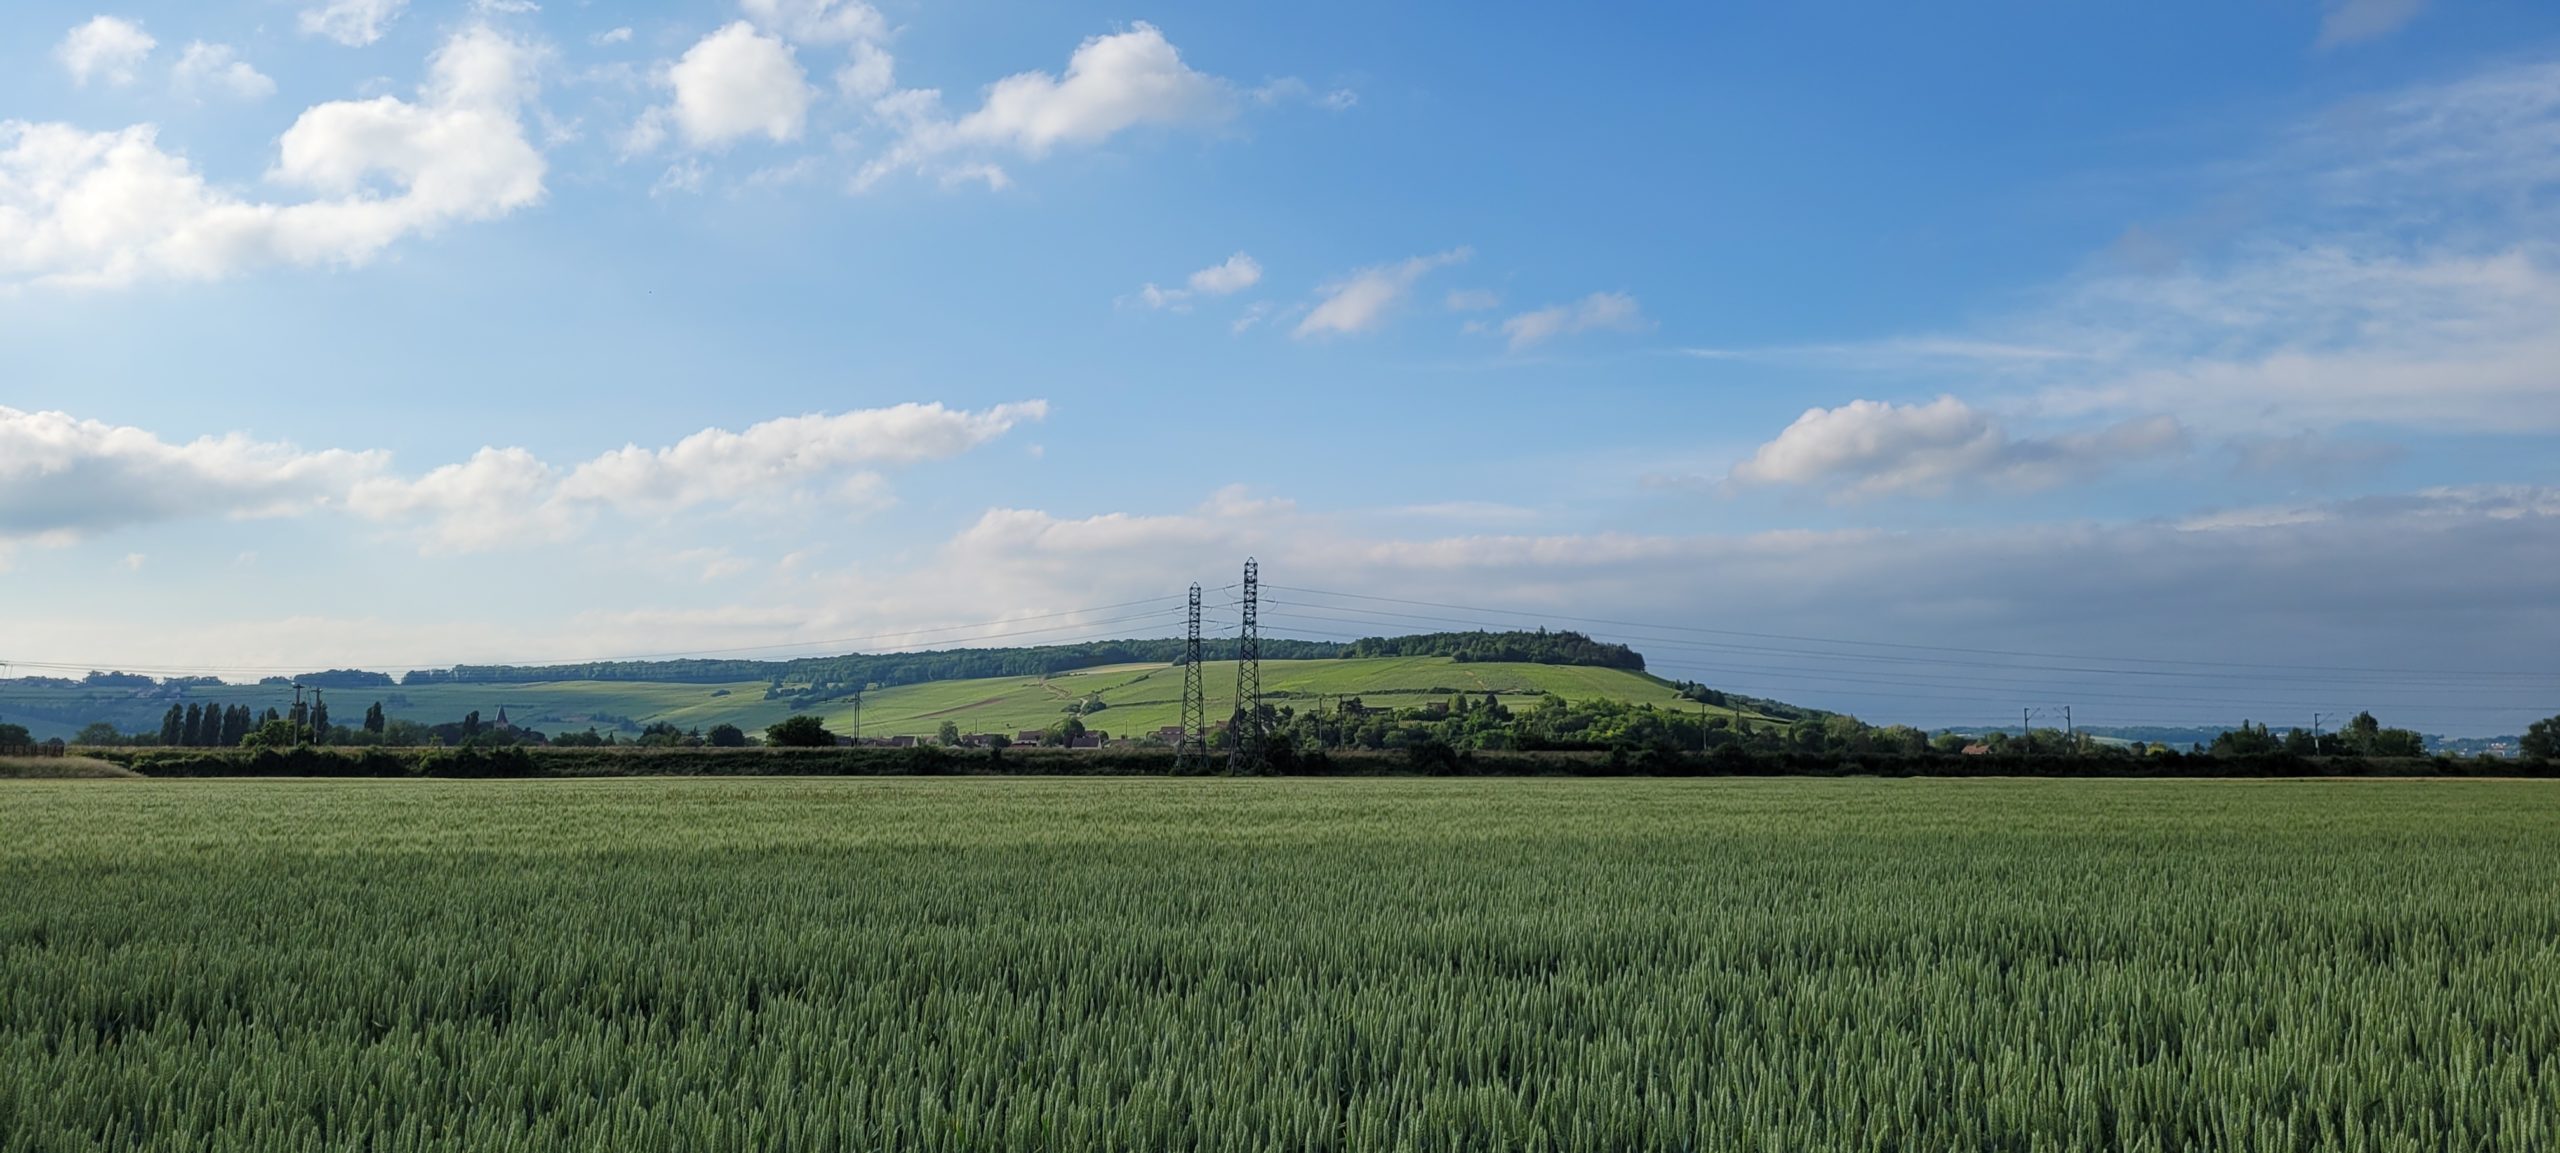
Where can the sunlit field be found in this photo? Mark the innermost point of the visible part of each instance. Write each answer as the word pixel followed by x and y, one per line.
pixel 1356 964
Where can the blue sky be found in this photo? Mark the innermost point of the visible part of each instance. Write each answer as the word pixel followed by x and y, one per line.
pixel 2208 335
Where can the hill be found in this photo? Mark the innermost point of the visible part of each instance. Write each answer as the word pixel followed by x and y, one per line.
pixel 1004 684
pixel 1139 699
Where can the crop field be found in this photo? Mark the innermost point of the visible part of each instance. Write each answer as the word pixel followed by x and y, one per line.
pixel 1143 698
pixel 1237 964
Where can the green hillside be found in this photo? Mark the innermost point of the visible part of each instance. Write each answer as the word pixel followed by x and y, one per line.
pixel 56 712
pixel 1137 698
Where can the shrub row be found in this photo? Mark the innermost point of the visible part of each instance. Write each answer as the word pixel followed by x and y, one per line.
pixel 1427 760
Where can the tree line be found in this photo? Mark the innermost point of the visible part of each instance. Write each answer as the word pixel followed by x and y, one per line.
pixel 857 670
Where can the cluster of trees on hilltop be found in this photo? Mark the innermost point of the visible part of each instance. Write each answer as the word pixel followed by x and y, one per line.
pixel 1540 648
pixel 830 676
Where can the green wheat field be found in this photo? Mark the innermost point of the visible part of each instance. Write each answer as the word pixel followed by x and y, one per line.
pixel 1213 964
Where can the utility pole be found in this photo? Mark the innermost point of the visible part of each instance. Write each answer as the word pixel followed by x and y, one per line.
pixel 297 712
pixel 316 734
pixel 2070 732
pixel 857 716
pixel 1246 753
pixel 1193 753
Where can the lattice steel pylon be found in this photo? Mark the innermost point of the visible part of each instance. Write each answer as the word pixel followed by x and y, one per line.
pixel 1193 755
pixel 1245 736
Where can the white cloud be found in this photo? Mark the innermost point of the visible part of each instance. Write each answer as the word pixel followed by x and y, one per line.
pixel 107 208
pixel 105 48
pixel 1112 84
pixel 1291 90
pixel 870 76
pixel 354 23
pixel 818 21
pixel 2351 21
pixel 2324 337
pixel 507 496
pixel 1226 278
pixel 2399 271
pixel 62 477
pixel 1362 301
pixel 1473 300
pixel 499 497
pixel 2308 456
pixel 684 176
pixel 1232 275
pixel 737 83
pixel 217 69
pixel 1598 312
pixel 621 35
pixel 1870 448
pixel 716 464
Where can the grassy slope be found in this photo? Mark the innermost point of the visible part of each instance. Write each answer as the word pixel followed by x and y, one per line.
pixel 1141 697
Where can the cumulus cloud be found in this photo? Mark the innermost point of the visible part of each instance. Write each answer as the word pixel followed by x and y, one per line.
pixel 1362 301
pixel 500 496
pixel 505 496
pixel 1112 84
pixel 354 23
pixel 1225 278
pixel 717 464
pixel 106 48
pixel 871 74
pixel 2351 21
pixel 1598 312
pixel 1870 448
pixel 735 83
pixel 218 70
pixel 107 208
pixel 62 477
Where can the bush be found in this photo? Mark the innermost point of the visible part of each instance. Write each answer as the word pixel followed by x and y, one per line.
pixel 800 732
